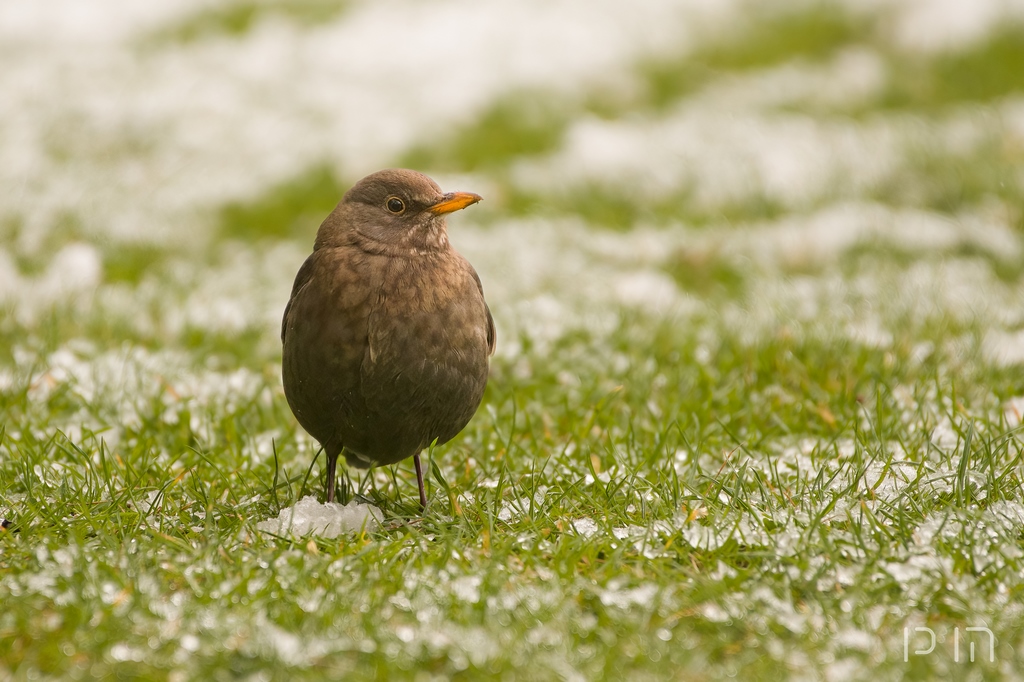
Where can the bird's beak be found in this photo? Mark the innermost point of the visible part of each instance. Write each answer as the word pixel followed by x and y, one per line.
pixel 453 201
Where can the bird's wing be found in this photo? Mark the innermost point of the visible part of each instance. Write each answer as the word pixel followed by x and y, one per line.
pixel 492 334
pixel 301 279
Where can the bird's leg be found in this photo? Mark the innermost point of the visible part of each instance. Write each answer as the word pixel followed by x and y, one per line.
pixel 332 465
pixel 419 480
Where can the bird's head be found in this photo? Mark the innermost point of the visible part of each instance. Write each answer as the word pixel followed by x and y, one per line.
pixel 394 211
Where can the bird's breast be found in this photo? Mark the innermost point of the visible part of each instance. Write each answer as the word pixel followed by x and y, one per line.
pixel 429 311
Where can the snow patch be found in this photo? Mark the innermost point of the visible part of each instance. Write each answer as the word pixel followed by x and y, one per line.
pixel 327 520
pixel 1003 349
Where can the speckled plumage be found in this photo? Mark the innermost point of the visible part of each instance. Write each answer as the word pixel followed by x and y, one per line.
pixel 386 334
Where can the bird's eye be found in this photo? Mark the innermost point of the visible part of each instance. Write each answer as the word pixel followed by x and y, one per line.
pixel 395 205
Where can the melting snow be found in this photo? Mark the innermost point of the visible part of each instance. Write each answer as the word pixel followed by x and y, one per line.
pixel 328 520
pixel 642 596
pixel 585 527
pixel 1004 349
pixel 944 436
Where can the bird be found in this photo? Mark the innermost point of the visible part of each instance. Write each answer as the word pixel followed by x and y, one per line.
pixel 386 336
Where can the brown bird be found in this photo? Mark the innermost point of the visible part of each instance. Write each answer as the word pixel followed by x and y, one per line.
pixel 386 334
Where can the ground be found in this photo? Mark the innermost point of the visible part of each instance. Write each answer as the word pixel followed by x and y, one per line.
pixel 758 278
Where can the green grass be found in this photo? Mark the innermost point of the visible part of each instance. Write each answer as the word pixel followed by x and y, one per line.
pixel 869 256
pixel 522 124
pixel 140 558
pixel 130 263
pixel 949 182
pixel 769 36
pixel 988 69
pixel 706 273
pixel 294 208
pixel 622 209
pixel 235 18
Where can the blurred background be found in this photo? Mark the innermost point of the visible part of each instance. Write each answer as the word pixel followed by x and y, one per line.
pixel 853 166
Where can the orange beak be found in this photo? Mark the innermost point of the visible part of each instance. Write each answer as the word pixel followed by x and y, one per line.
pixel 454 201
